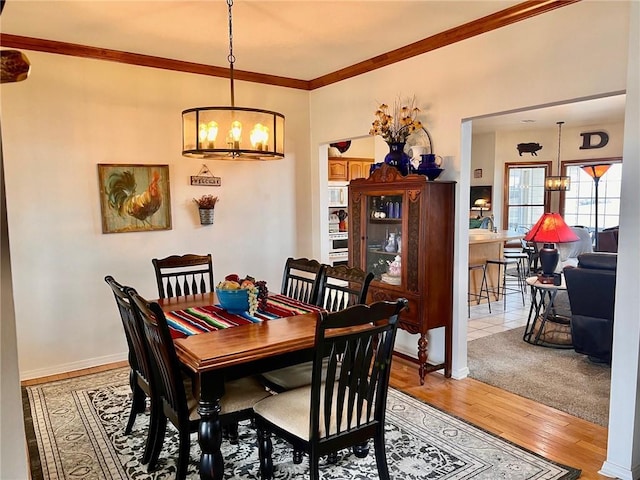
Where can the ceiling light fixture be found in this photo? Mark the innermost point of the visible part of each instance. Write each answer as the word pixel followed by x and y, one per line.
pixel 557 183
pixel 221 132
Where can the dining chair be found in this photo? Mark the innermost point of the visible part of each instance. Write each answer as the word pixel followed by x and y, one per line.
pixel 140 379
pixel 338 288
pixel 342 286
pixel 177 404
pixel 346 405
pixel 187 274
pixel 300 279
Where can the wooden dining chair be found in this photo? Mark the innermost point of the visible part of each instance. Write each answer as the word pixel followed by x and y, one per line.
pixel 338 288
pixel 177 404
pixel 187 274
pixel 342 286
pixel 140 379
pixel 346 402
pixel 300 279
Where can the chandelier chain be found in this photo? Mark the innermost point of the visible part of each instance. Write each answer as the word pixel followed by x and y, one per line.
pixel 559 139
pixel 231 58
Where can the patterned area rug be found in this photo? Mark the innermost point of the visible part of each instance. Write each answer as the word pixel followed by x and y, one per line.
pixel 75 430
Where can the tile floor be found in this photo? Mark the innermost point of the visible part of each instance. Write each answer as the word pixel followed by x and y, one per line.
pixel 482 323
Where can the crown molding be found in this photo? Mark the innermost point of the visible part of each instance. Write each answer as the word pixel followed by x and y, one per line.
pixel 508 16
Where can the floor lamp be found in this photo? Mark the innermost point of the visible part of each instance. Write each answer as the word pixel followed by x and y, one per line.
pixel 596 172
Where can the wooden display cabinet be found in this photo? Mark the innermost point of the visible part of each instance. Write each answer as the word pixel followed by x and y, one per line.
pixel 401 229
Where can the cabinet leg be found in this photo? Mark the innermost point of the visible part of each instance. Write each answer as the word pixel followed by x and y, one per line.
pixel 423 345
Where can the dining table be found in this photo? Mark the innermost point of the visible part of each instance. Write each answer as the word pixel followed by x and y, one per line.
pixel 248 345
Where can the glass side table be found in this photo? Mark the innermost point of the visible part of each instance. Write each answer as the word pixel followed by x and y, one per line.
pixel 547 326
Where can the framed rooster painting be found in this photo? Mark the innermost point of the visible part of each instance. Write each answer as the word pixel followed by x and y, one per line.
pixel 134 198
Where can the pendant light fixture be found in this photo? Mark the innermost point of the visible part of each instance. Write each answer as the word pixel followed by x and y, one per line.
pixel 557 183
pixel 232 133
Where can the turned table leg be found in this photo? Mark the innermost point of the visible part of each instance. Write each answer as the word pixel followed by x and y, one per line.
pixel 210 431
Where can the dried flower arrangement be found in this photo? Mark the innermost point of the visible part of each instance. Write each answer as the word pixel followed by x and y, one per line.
pixel 206 201
pixel 396 126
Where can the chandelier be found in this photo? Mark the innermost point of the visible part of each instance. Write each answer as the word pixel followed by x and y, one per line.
pixel 557 183
pixel 230 132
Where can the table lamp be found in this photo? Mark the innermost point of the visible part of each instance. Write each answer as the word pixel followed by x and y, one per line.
pixel 549 230
pixel 482 203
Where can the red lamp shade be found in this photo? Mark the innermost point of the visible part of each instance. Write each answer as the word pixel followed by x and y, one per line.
pixel 551 228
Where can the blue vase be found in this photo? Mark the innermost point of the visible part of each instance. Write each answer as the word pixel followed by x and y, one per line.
pixel 397 158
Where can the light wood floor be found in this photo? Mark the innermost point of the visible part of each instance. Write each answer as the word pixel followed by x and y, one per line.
pixel 544 430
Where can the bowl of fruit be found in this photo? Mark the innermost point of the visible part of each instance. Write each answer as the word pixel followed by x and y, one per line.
pixel 238 295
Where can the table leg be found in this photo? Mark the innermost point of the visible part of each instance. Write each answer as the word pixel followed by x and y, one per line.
pixel 210 431
pixel 547 307
pixel 534 312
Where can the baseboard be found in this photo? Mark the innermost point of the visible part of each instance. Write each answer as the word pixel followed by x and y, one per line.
pixel 460 374
pixel 71 367
pixel 616 471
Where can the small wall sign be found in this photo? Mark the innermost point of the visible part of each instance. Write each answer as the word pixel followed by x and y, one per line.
pixel 205 178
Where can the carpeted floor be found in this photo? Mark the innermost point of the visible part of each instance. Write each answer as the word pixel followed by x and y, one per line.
pixel 560 378
pixel 75 430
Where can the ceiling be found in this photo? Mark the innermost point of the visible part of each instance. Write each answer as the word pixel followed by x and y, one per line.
pixel 294 39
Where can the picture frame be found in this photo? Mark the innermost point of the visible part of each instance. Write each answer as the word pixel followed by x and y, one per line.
pixel 134 197
pixel 478 192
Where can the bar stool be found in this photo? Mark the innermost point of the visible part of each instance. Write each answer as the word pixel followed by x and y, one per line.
pixel 483 287
pixel 508 288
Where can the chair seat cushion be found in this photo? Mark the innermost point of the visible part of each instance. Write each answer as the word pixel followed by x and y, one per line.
pixel 291 411
pixel 239 395
pixel 295 376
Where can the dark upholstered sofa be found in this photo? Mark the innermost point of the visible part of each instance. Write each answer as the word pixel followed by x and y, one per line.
pixel 591 287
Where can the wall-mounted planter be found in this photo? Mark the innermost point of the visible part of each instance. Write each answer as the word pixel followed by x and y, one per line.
pixel 206 216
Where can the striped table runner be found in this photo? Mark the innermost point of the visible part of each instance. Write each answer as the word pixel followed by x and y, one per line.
pixel 192 321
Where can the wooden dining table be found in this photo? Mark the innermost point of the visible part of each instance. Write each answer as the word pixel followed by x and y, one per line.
pixel 221 355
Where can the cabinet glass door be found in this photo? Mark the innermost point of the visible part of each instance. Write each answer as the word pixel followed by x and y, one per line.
pixel 384 237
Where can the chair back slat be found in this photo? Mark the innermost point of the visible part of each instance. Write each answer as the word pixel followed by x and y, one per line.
pixel 349 400
pixel 300 279
pixel 342 286
pixel 180 275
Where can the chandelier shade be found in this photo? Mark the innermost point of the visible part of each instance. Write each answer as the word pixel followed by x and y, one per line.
pixel 232 133
pixel 557 183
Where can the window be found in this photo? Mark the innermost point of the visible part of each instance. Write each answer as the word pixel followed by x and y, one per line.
pixel 579 201
pixel 525 197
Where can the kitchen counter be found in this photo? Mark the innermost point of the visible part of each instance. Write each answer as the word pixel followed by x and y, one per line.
pixel 481 235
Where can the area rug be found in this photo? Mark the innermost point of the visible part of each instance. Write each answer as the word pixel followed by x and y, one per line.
pixel 76 430
pixel 559 378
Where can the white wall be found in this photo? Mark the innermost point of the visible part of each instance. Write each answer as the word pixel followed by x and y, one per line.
pixel 623 449
pixel 72 114
pixel 13 454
